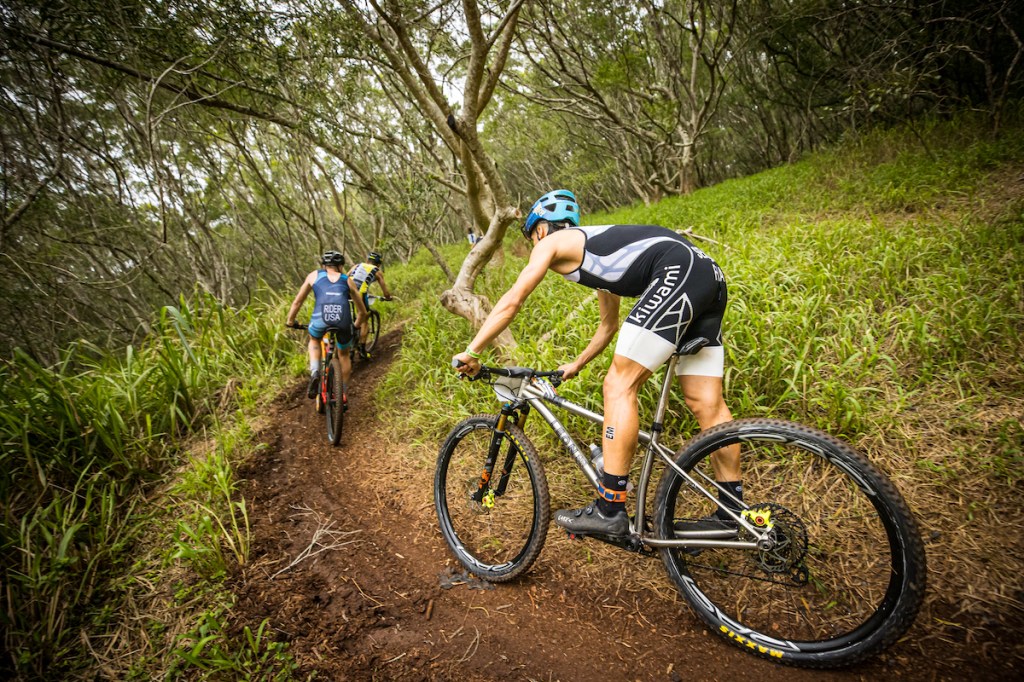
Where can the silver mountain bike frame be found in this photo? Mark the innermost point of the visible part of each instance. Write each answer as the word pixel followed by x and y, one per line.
pixel 536 392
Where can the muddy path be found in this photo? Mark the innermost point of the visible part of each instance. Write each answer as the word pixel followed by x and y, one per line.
pixel 377 596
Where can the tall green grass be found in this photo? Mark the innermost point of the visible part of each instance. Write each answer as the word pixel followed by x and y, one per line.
pixel 876 291
pixel 863 282
pixel 87 440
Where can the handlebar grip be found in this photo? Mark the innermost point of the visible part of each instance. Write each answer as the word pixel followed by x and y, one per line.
pixel 456 363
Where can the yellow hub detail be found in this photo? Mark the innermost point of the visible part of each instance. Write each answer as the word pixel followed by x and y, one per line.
pixel 761 518
pixel 488 500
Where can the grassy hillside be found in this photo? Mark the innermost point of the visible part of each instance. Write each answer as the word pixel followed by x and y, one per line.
pixel 119 518
pixel 876 291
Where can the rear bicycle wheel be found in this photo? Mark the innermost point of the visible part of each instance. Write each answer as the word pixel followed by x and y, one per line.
pixel 844 575
pixel 495 524
pixel 373 331
pixel 334 408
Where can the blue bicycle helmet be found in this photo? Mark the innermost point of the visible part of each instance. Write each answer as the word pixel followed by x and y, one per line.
pixel 555 207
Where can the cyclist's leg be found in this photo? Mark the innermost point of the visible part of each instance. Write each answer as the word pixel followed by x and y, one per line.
pixel 314 354
pixel 649 337
pixel 316 332
pixel 607 514
pixel 346 368
pixel 316 329
pixel 621 414
pixel 703 395
pixel 700 370
pixel 365 327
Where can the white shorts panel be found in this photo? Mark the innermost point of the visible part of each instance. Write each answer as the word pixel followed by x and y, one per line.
pixel 709 361
pixel 643 346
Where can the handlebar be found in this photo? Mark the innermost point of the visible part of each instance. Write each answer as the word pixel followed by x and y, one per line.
pixel 296 325
pixel 486 372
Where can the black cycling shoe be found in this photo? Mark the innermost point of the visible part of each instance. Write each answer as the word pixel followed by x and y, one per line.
pixel 591 520
pixel 314 384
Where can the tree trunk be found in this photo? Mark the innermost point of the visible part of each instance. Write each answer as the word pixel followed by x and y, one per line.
pixel 460 298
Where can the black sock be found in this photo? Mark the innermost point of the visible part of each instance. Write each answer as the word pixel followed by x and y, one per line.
pixel 734 488
pixel 612 483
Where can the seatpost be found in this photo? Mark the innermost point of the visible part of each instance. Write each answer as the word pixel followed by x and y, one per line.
pixel 658 425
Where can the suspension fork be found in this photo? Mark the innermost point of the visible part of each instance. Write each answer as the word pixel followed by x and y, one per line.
pixel 510 455
pixel 508 413
pixel 494 450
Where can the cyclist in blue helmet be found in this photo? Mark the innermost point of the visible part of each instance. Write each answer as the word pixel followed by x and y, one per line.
pixel 681 296
pixel 559 208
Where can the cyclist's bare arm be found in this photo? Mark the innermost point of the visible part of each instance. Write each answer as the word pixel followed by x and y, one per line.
pixel 508 305
pixel 606 329
pixel 300 298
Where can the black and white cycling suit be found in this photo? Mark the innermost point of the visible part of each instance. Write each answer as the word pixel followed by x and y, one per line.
pixel 681 290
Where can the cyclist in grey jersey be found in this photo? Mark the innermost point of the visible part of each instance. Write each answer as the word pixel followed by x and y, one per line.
pixel 681 300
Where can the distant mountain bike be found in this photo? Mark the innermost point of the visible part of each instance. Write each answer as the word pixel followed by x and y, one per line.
pixel 330 400
pixel 823 566
pixel 373 333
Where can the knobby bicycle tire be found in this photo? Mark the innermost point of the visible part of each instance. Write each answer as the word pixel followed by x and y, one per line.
pixel 373 332
pixel 496 529
pixel 847 576
pixel 334 409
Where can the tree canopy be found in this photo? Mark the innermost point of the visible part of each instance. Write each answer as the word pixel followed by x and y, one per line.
pixel 150 148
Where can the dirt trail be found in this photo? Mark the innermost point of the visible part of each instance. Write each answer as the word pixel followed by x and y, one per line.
pixel 387 602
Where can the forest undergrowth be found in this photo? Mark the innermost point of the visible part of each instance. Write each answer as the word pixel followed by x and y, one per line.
pixel 876 291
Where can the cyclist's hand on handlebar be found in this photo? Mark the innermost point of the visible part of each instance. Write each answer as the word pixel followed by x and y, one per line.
pixel 569 370
pixel 464 364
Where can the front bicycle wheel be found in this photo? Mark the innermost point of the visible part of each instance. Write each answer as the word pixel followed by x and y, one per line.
pixel 334 408
pixel 841 575
pixel 373 331
pixel 494 523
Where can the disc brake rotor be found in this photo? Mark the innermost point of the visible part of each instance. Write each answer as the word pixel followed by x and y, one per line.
pixel 788 538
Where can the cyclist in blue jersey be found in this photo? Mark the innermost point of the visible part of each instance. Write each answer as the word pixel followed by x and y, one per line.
pixel 332 291
pixel 681 298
